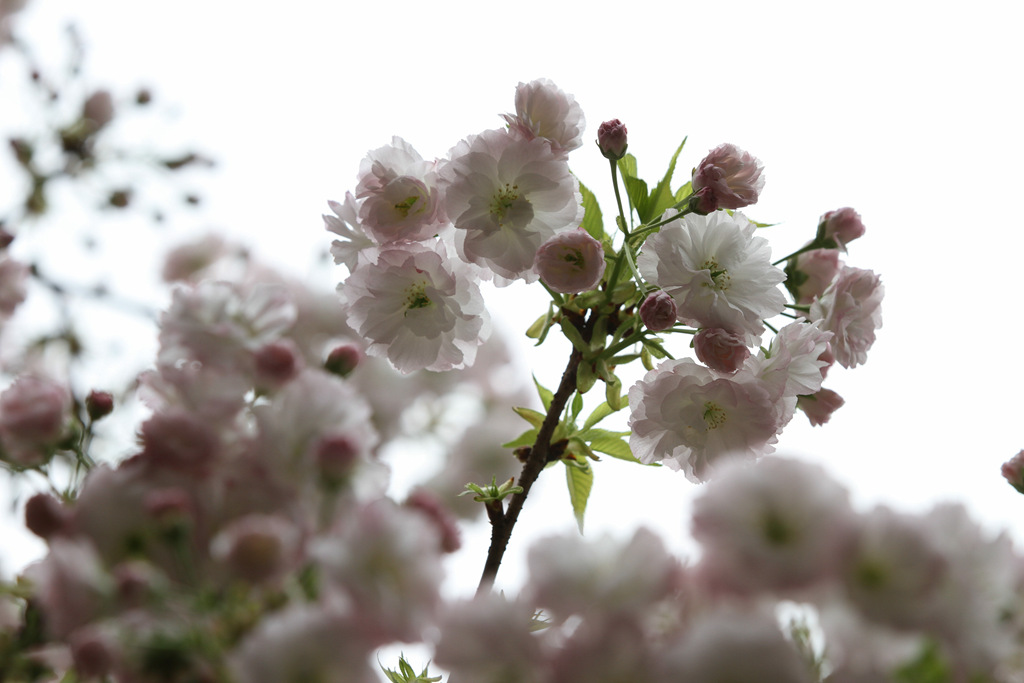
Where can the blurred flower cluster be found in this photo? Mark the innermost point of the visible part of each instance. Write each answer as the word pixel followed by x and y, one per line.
pixel 255 532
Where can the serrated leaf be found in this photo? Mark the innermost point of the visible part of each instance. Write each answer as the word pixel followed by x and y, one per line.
pixel 527 438
pixel 683 192
pixel 593 221
pixel 545 394
pixel 600 413
pixel 636 189
pixel 532 416
pixel 580 479
pixel 662 197
pixel 627 165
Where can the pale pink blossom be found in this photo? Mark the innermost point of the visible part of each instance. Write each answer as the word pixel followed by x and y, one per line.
pixel 571 262
pixel 71 585
pixel 612 140
pixel 852 309
pixel 33 413
pixel 658 311
pixel 732 645
pixel 720 349
pixel 543 110
pixel 507 196
pixel 605 650
pixel 257 548
pixel 816 270
pixel 778 525
pixel 417 308
pixel 820 405
pixel 717 271
pixel 345 223
pixel 687 417
pixel 387 559
pixel 843 226
pixel 732 175
pixel 320 641
pixel 189 261
pixel 1013 471
pixel 601 578
pixel 792 364
pixel 400 196
pixel 490 639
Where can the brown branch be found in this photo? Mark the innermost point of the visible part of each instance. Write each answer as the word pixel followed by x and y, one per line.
pixel 501 526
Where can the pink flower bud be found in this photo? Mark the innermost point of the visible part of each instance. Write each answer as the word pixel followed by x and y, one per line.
pixel 32 410
pixel 440 517
pixel 1013 471
pixel 99 109
pixel 843 226
pixel 658 311
pixel 734 176
pixel 570 262
pixel 703 202
pixel 611 139
pixel 819 268
pixel 819 406
pixel 343 360
pixel 45 516
pixel 99 404
pixel 721 349
pixel 276 363
pixel 336 456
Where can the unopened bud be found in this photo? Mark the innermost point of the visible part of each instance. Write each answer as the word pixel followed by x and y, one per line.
pixel 343 360
pixel 721 349
pixel 658 311
pixel 99 404
pixel 611 139
pixel 99 109
pixel 44 515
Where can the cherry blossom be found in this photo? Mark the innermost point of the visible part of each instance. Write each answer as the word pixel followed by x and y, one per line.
pixel 851 308
pixel 543 110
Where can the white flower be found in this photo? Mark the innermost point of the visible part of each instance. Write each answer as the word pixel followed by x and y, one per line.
pixel 777 525
pixel 717 271
pixel 400 196
pixel 417 308
pixel 345 224
pixel 687 417
pixel 851 308
pixel 543 110
pixel 507 196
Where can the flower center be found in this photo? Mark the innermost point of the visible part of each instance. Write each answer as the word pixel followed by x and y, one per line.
pixel 509 206
pixel 405 206
pixel 720 278
pixel 714 415
pixel 416 297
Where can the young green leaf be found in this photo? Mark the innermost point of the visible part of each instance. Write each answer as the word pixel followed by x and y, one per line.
pixel 662 196
pixel 600 413
pixel 545 394
pixel 532 416
pixel 527 438
pixel 580 479
pixel 609 443
pixel 593 221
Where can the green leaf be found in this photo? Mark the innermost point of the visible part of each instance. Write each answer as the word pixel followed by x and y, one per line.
pixel 627 165
pixel 609 443
pixel 527 438
pixel 593 221
pixel 574 336
pixel 683 192
pixel 580 479
pixel 662 197
pixel 600 413
pixel 545 394
pixel 636 189
pixel 532 416
pixel 585 377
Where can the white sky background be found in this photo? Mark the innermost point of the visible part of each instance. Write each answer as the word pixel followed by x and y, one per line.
pixel 906 111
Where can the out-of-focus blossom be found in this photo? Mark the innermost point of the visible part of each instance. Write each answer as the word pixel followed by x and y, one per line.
pixel 720 349
pixel 687 417
pixel 612 140
pixel 717 271
pixel 778 525
pixel 729 645
pixel 99 109
pixel 13 285
pixel 71 585
pixel 1013 471
pixel 732 176
pixel 33 412
pixel 489 639
pixel 843 226
pixel 851 308
pixel 99 404
pixel 188 261
pixel 507 196
pixel 543 110
pixel 820 405
pixel 257 548
pixel 417 308
pixel 658 311
pixel 571 262
pixel 400 195
pixel 601 578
